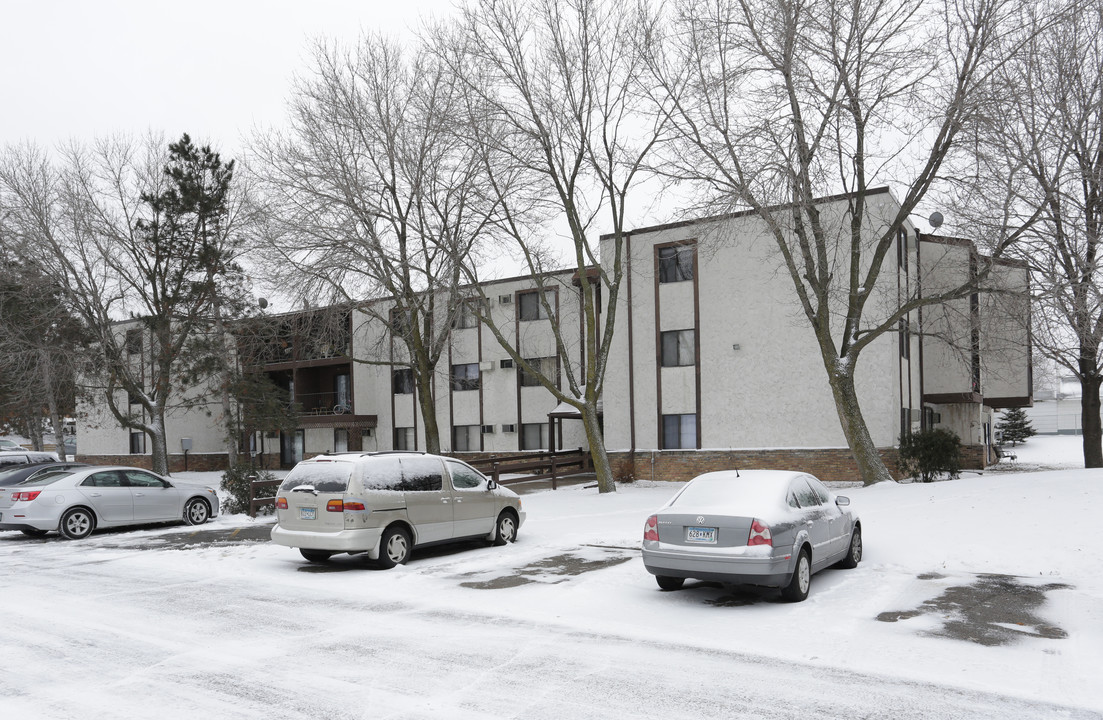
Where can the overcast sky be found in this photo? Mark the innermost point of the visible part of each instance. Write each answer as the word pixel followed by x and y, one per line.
pixel 212 68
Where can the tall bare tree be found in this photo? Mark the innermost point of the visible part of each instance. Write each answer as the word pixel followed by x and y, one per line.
pixel 554 107
pixel 127 231
pixel 1047 136
pixel 373 195
pixel 777 104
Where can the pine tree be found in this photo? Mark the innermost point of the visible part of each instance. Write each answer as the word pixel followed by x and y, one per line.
pixel 1015 427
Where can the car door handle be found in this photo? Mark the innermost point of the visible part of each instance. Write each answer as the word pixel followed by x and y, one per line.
pixel 96 494
pixel 139 494
pixel 459 500
pixel 445 500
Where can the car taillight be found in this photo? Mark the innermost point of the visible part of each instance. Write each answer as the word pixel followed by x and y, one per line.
pixel 760 534
pixel 281 503
pixel 25 495
pixel 335 506
pixel 651 528
pixel 354 505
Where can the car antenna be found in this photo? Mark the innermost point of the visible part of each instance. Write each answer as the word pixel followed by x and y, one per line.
pixel 737 472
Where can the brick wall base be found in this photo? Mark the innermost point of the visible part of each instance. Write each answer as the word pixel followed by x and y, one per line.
pixel 207 462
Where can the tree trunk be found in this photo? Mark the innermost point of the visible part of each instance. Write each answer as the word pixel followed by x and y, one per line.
pixel 51 400
pixel 1090 420
pixel 598 454
pixel 159 444
pixel 427 402
pixel 871 468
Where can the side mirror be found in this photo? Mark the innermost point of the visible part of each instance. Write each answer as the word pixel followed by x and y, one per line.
pixel 491 485
pixel 842 501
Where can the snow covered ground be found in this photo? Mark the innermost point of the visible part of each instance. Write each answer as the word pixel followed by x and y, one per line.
pixel 979 597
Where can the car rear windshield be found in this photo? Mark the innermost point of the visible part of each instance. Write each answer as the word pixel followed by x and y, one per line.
pixel 48 478
pixel 329 477
pixel 742 493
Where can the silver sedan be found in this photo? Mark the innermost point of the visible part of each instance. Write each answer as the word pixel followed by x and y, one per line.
pixel 76 503
pixel 757 527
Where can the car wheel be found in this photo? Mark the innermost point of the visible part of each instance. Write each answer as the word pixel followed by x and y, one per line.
pixel 669 583
pixel 196 512
pixel 854 553
pixel 77 523
pixel 797 589
pixel 506 531
pixel 315 556
pixel 33 532
pixel 394 547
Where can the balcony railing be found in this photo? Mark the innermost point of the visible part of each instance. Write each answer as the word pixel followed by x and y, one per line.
pixel 327 403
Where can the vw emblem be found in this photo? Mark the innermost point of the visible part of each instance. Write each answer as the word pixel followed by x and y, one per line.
pixel 700 518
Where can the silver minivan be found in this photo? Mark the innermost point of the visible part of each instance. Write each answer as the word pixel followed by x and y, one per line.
pixel 386 503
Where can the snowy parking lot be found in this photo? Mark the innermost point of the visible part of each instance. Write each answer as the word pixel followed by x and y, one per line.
pixel 979 597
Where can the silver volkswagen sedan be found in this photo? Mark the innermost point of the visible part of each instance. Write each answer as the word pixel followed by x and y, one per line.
pixel 756 527
pixel 75 503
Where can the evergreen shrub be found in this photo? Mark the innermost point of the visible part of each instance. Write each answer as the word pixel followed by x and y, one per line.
pixel 237 481
pixel 928 453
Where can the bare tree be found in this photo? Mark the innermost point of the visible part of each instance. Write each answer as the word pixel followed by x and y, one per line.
pixel 554 107
pixel 373 195
pixel 777 104
pixel 1047 136
pixel 130 232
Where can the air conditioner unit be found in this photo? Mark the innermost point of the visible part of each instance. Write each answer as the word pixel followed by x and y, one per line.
pixel 505 364
pixel 367 432
pixel 488 429
pixel 509 428
pixel 505 299
pixel 486 366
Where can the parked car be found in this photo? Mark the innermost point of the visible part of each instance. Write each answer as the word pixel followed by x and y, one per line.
pixel 10 445
pixel 23 457
pixel 75 503
pixel 15 474
pixel 756 527
pixel 386 504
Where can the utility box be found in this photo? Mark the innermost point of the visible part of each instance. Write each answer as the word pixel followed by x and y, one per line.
pixel 185 444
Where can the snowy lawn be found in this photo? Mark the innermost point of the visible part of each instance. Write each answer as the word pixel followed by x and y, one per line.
pixel 567 623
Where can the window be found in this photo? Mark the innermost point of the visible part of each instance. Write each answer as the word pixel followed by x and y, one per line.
pixel 137 443
pixel 133 341
pixel 545 366
pixel 675 264
pixel 340 440
pixel 531 307
pixel 534 436
pixel 103 479
pixel 465 478
pixel 806 496
pixel 404 438
pixel 679 432
pixel 677 348
pixel 466 438
pixel 465 377
pixel 137 478
pixel 422 474
pixel 403 381
pixel 466 316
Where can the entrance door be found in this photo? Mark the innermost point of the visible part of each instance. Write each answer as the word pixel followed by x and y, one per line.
pixel 291 447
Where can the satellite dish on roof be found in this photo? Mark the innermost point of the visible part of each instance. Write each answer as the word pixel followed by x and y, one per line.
pixel 935 220
pixel 262 302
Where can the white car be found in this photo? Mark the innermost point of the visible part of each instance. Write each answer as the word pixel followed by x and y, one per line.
pixel 74 503
pixel 385 504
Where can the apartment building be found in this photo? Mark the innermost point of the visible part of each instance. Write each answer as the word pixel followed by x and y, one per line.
pixel 713 364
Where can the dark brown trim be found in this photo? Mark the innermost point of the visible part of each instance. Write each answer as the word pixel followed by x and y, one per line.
pixel 1009 402
pixel 339 421
pixel 953 398
pixel 947 240
pixel 741 213
pixel 451 403
pixel 517 371
pixel 478 354
pixel 631 348
pixel 697 342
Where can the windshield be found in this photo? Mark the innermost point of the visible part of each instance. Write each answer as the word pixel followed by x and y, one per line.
pixel 329 477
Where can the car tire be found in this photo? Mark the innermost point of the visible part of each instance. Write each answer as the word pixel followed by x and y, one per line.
pixel 33 532
pixel 797 589
pixel 196 512
pixel 669 583
pixel 77 523
pixel 394 547
pixel 854 552
pixel 505 530
pixel 315 556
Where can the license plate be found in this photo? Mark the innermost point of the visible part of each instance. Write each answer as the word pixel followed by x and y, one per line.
pixel 701 535
pixel 308 513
